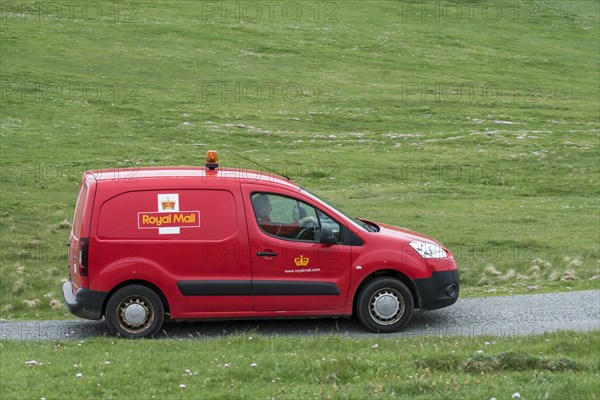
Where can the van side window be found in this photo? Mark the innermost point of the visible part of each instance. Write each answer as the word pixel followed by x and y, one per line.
pixel 290 218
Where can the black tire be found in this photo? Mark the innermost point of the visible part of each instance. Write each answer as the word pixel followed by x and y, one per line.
pixel 384 305
pixel 134 311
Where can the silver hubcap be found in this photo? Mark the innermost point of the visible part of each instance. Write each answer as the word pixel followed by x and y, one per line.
pixel 386 306
pixel 135 314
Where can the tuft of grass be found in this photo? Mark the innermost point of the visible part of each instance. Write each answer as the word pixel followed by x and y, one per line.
pixel 33 303
pixel 19 287
pixel 491 271
pixel 504 361
pixel 518 361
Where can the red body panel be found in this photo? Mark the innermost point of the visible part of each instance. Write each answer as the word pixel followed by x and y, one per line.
pixel 189 232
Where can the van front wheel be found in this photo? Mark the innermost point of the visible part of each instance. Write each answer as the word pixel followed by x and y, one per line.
pixel 384 305
pixel 134 311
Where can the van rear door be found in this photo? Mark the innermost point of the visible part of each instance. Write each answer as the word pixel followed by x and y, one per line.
pixel 79 240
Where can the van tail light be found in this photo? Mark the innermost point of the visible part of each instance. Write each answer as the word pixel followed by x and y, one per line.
pixel 84 245
pixel 68 254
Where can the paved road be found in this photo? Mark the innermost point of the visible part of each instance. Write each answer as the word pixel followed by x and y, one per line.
pixel 523 315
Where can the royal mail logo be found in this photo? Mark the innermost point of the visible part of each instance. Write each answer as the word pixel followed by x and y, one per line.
pixel 168 204
pixel 188 219
pixel 301 261
pixel 168 219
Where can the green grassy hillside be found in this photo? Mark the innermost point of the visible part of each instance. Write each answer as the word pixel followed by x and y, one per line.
pixel 476 123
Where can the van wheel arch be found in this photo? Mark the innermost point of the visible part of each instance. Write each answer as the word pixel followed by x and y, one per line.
pixel 147 284
pixel 391 274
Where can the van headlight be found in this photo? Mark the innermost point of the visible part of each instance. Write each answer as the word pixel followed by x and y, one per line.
pixel 428 250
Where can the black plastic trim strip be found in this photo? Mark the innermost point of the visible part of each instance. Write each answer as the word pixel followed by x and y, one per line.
pixel 257 288
pixel 215 288
pixel 294 288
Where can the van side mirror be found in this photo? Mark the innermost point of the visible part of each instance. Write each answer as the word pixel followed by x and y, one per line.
pixel 326 236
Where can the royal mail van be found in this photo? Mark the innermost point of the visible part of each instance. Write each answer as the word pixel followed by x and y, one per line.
pixel 183 243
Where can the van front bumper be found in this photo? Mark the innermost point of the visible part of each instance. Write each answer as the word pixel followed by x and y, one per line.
pixel 84 303
pixel 441 290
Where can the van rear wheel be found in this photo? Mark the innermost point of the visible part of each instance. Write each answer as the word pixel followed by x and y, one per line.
pixel 385 305
pixel 134 311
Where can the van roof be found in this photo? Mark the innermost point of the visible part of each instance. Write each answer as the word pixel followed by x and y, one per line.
pixel 234 174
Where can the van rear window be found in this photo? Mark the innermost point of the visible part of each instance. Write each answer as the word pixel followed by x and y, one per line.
pixel 169 215
pixel 79 210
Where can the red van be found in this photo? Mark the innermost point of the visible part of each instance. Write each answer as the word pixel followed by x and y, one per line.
pixel 207 243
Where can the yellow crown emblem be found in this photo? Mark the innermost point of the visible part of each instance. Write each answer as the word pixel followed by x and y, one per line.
pixel 301 261
pixel 168 204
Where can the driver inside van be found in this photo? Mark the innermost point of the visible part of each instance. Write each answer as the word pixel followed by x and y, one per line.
pixel 262 208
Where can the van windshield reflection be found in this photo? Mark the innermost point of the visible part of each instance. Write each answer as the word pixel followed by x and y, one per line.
pixel 353 221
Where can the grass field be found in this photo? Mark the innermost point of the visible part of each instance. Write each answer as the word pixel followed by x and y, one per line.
pixel 557 366
pixel 474 122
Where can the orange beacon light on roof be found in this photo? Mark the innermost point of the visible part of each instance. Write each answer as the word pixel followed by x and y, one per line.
pixel 212 159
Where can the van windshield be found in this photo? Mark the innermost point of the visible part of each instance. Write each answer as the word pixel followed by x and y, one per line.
pixel 353 221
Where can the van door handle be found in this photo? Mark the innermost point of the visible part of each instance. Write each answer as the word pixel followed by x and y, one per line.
pixel 266 254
